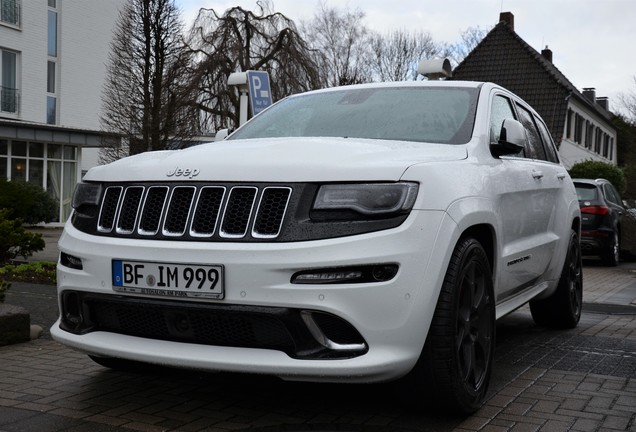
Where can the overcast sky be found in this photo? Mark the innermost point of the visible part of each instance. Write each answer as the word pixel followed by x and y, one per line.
pixel 593 41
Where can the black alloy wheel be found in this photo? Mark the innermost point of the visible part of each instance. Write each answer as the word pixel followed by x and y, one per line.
pixel 457 357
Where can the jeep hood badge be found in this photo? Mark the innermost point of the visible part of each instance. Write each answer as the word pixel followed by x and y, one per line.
pixel 183 172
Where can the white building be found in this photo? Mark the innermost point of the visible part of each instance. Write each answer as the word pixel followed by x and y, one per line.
pixel 53 57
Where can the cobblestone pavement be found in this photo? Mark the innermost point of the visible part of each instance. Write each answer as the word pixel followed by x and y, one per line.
pixel 578 380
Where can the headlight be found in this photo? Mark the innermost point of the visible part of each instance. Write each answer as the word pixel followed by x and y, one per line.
pixel 367 198
pixel 86 194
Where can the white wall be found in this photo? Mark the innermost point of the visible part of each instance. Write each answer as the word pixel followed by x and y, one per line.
pixel 86 28
pixel 30 43
pixel 84 33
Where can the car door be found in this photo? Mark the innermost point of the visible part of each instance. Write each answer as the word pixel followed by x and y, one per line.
pixel 526 203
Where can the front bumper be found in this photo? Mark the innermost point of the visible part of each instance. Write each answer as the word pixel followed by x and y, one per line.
pixel 392 317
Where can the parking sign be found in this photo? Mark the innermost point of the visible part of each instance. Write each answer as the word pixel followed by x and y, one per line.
pixel 260 94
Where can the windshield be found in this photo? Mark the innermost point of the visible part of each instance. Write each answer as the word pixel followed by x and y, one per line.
pixel 422 114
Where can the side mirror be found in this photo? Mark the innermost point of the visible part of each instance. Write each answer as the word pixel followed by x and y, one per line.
pixel 512 139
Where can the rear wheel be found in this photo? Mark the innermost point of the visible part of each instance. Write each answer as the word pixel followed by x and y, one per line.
pixel 563 308
pixel 456 362
pixel 611 255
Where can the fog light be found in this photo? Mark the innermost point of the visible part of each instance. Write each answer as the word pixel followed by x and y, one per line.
pixel 340 275
pixel 71 261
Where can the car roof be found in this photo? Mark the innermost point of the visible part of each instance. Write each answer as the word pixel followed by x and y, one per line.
pixel 402 84
pixel 595 182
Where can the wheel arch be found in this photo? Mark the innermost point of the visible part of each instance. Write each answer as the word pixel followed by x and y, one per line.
pixel 485 234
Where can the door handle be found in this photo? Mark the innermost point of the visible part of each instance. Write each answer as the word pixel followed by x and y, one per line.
pixel 537 174
pixel 561 176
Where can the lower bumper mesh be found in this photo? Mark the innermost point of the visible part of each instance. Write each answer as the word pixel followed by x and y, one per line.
pixel 209 324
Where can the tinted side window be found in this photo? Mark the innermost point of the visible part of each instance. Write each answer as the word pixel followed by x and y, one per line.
pixel 550 149
pixel 536 149
pixel 611 194
pixel 501 109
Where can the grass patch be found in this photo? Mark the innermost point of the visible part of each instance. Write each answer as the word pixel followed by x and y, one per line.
pixel 40 272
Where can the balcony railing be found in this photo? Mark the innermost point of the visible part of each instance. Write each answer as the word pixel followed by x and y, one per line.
pixel 9 100
pixel 10 11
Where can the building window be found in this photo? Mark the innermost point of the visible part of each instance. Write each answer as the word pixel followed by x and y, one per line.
pixel 589 135
pixel 62 175
pixel 9 94
pixel 51 166
pixel 50 77
pixel 4 159
pixel 578 129
pixel 52 34
pixel 10 11
pixel 52 3
pixel 51 111
pixel 568 125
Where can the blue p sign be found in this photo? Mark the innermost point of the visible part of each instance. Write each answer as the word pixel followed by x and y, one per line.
pixel 260 94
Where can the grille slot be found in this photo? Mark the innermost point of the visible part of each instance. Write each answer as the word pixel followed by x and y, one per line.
pixel 207 212
pixel 129 209
pixel 110 205
pixel 178 211
pixel 271 211
pixel 153 208
pixel 238 211
pixel 194 211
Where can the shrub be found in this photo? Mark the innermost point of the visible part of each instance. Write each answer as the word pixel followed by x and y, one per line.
pixel 28 201
pixel 15 241
pixel 590 169
pixel 4 286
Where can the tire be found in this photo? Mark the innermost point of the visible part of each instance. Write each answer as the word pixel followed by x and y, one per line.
pixel 456 362
pixel 611 256
pixel 563 309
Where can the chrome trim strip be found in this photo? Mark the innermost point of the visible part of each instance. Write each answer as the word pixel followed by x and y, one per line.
pixel 323 340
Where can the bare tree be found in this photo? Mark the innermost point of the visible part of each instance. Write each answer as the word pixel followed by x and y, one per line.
pixel 241 40
pixel 395 55
pixel 341 41
pixel 627 104
pixel 145 89
pixel 469 39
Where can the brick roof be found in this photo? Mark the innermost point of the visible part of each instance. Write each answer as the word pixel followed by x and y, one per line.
pixel 504 58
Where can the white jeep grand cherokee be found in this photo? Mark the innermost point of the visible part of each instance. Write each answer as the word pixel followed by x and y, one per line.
pixel 359 234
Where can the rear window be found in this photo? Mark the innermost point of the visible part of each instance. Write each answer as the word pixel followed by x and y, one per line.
pixel 421 114
pixel 586 192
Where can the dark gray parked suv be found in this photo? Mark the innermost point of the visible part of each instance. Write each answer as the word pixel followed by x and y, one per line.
pixel 601 219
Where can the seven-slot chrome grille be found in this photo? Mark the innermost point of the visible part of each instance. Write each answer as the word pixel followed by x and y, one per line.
pixel 193 211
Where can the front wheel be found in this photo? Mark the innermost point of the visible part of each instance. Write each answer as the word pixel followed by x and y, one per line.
pixel 456 362
pixel 563 308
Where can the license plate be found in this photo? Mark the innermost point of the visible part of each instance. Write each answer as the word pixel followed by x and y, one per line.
pixel 168 280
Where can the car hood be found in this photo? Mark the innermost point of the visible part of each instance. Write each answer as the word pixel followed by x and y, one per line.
pixel 279 160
